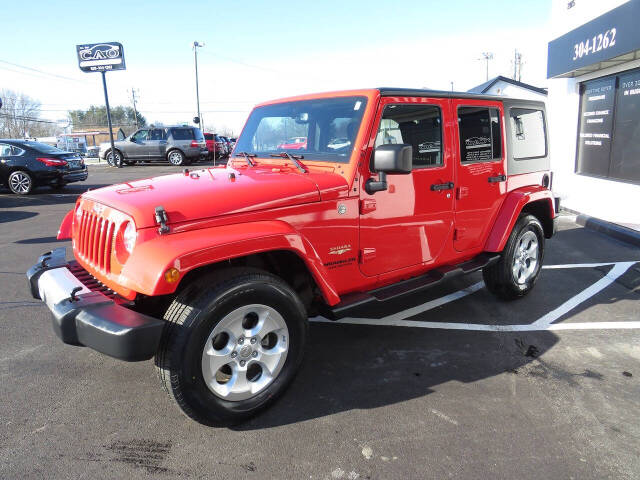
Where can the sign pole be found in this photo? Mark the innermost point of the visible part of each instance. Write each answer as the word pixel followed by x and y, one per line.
pixel 106 101
pixel 103 57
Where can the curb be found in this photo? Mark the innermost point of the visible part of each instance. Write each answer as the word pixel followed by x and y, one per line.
pixel 618 232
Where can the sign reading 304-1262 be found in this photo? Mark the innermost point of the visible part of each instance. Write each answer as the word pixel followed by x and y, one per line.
pixel 100 57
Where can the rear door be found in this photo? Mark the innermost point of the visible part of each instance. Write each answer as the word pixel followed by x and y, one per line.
pixel 157 143
pixel 408 224
pixel 481 170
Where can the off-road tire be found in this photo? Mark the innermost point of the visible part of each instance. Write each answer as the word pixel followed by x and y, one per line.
pixel 499 277
pixel 192 316
pixel 20 182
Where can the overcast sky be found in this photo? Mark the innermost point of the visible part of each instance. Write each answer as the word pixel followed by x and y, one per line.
pixel 257 50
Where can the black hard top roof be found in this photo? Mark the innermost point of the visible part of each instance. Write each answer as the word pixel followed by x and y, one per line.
pixel 417 92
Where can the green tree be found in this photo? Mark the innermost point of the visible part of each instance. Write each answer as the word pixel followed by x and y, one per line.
pixel 96 116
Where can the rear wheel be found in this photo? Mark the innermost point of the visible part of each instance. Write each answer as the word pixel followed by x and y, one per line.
pixel 20 182
pixel 232 344
pixel 176 157
pixel 518 269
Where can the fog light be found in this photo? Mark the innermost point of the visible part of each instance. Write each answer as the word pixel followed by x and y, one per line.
pixel 172 275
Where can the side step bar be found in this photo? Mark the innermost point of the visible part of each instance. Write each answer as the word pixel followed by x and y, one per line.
pixel 411 285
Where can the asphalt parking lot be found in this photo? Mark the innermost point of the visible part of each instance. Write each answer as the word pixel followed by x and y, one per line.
pixel 451 384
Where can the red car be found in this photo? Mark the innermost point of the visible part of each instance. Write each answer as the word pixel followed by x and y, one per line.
pixel 295 143
pixel 216 272
pixel 215 143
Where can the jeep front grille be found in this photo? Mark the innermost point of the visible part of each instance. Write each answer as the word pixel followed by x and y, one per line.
pixel 95 240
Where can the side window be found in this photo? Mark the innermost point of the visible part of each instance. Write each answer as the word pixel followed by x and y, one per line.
pixel 480 136
pixel 182 133
pixel 17 151
pixel 140 135
pixel 528 133
pixel 5 150
pixel 157 134
pixel 417 125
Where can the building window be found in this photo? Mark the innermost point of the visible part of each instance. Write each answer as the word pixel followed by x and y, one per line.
pixel 609 128
pixel 417 125
pixel 480 138
pixel 528 133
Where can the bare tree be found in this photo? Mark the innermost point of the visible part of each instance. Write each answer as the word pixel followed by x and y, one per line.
pixel 20 117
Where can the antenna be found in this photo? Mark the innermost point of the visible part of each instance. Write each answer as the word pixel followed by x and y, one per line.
pixel 487 56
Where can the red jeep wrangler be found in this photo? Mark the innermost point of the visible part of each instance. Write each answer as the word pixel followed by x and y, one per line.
pixel 215 272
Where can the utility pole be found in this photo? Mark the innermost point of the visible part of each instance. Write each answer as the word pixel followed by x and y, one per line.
pixel 135 110
pixel 487 56
pixel 517 66
pixel 195 57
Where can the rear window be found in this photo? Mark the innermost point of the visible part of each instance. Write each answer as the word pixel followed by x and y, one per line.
pixel 44 148
pixel 198 134
pixel 208 136
pixel 183 133
pixel 528 133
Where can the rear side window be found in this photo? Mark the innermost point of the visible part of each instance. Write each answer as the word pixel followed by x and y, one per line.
pixel 183 133
pixel 480 136
pixel 417 125
pixel 528 133
pixel 158 134
pixel 5 150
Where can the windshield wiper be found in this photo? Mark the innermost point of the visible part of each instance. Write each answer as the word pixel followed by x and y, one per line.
pixel 247 156
pixel 294 159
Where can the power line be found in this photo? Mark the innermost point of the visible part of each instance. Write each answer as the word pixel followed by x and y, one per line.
pixel 43 72
pixel 26 119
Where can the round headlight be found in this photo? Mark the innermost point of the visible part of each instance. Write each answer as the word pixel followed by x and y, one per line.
pixel 129 237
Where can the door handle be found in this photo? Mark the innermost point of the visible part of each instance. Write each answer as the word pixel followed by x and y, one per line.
pixel 497 179
pixel 437 187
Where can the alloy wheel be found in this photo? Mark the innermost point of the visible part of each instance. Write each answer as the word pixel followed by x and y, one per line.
pixel 245 352
pixel 20 182
pixel 525 257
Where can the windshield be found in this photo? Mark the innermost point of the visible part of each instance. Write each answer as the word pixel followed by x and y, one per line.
pixel 322 129
pixel 44 148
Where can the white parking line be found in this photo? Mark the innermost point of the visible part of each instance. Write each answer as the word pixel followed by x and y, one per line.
pixel 543 323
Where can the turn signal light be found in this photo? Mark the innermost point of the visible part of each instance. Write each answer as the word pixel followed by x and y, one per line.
pixel 52 162
pixel 172 275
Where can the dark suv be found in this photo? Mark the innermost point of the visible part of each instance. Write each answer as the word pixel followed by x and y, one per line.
pixel 180 145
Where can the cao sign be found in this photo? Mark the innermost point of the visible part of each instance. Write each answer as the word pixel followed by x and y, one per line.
pixel 100 57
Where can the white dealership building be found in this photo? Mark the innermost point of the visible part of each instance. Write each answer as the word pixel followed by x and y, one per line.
pixel 594 107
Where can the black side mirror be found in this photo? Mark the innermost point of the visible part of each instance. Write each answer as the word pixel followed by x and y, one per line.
pixel 389 159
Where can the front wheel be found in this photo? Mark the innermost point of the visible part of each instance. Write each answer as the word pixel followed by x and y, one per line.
pixel 232 344
pixel 114 160
pixel 518 269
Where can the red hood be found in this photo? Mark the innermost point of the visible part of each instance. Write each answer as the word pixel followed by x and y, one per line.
pixel 211 192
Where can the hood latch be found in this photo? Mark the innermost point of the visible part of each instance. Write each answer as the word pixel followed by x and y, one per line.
pixel 162 219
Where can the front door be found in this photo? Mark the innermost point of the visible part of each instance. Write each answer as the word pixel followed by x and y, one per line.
pixel 481 174
pixel 408 224
pixel 136 148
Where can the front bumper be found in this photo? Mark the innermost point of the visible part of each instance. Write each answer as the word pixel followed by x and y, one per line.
pixel 89 317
